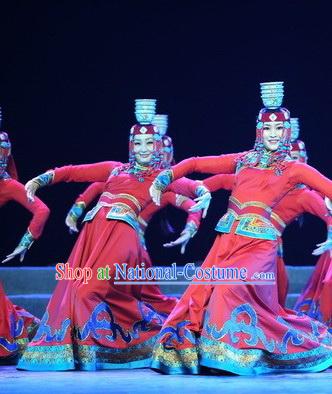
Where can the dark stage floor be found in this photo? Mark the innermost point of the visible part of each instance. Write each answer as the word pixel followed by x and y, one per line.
pixel 147 381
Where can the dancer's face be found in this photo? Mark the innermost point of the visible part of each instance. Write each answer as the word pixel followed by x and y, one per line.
pixel 272 133
pixel 143 148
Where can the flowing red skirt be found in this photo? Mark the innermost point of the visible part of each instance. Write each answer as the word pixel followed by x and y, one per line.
pixel 282 277
pixel 100 324
pixel 240 328
pixel 153 295
pixel 17 326
pixel 316 299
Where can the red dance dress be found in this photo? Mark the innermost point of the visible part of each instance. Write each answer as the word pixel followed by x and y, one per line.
pixel 152 294
pixel 17 327
pixel 316 299
pixel 241 328
pixel 16 324
pixel 296 202
pixel 100 324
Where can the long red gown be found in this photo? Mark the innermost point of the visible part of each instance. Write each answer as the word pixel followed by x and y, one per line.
pixel 16 324
pixel 241 328
pixel 152 294
pixel 316 298
pixel 296 202
pixel 100 325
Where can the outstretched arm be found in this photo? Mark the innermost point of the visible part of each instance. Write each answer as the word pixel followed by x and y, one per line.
pixel 223 164
pixel 181 202
pixel 192 223
pixel 211 164
pixel 303 173
pixel 312 202
pixel 84 199
pixel 189 188
pixel 79 173
pixel 220 181
pixel 15 191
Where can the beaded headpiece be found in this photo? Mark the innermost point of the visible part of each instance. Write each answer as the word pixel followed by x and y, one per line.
pixel 144 112
pixel 298 146
pixel 161 121
pixel 272 94
pixel 295 129
pixel 7 164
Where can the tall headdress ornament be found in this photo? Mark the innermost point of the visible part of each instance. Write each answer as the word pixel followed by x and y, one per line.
pixel 295 129
pixel 298 146
pixel 161 121
pixel 145 111
pixel 7 163
pixel 272 94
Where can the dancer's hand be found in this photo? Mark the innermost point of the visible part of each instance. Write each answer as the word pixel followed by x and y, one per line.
pixel 323 247
pixel 203 203
pixel 160 183
pixel 189 231
pixel 31 187
pixel 155 194
pixel 39 181
pixel 71 223
pixel 182 240
pixel 73 215
pixel 19 250
pixel 328 203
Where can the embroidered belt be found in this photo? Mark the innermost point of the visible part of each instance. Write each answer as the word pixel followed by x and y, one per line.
pixel 107 197
pixel 117 211
pixel 250 207
pixel 253 217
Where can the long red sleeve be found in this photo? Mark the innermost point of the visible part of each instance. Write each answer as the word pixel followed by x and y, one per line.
pixel 177 201
pixel 192 216
pixel 225 164
pixel 152 208
pixel 184 186
pixel 91 192
pixel 221 181
pixel 312 202
pixel 15 191
pixel 96 172
pixel 303 173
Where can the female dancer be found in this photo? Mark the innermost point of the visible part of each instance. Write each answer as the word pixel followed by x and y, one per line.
pixel 151 293
pixel 296 202
pixel 16 324
pixel 99 324
pixel 242 328
pixel 316 298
